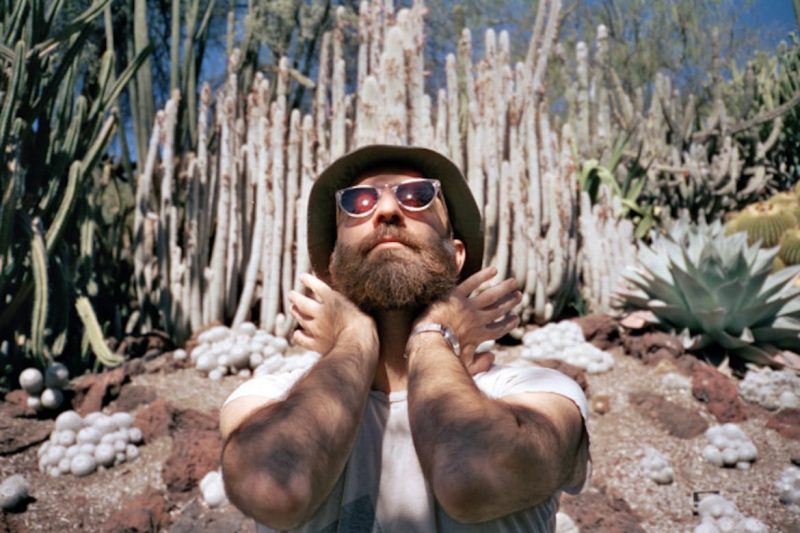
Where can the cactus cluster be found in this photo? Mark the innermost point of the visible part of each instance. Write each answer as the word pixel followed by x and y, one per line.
pixel 80 445
pixel 45 391
pixel 772 222
pixel 51 109
pixel 244 351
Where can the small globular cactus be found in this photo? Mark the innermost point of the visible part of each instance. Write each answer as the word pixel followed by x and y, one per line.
pixel 45 391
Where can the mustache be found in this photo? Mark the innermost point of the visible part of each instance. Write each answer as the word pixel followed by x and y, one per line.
pixel 389 232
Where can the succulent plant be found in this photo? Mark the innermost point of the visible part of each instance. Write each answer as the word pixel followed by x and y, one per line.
pixel 788 201
pixel 763 221
pixel 717 290
pixel 789 252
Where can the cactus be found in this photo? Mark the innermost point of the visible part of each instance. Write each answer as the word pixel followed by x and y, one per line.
pixel 39 318
pixel 764 222
pixel 95 334
pixel 717 291
pixel 787 201
pixel 53 139
pixel 789 252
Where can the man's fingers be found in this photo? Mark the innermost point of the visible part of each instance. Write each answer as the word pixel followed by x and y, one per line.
pixel 491 295
pixel 317 286
pixel 503 326
pixel 481 363
pixel 474 281
pixel 302 339
pixel 304 304
pixel 502 306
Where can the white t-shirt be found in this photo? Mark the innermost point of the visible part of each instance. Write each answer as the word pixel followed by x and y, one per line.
pixel 382 488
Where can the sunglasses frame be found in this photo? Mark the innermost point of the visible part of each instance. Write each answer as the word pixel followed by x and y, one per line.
pixel 437 186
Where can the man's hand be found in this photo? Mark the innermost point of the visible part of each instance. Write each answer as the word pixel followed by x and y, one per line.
pixel 282 460
pixel 478 318
pixel 328 317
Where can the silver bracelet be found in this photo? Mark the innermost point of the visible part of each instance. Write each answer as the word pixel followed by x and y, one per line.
pixel 448 334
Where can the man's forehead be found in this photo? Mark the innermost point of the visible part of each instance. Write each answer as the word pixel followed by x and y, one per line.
pixel 387 174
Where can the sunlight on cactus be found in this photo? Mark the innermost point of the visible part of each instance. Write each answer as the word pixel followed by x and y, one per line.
pixel 718 292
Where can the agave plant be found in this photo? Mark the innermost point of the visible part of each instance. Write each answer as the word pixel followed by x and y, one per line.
pixel 716 290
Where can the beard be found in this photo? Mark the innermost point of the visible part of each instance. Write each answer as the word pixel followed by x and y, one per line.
pixel 411 277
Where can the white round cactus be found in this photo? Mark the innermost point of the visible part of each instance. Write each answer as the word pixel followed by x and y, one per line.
pixel 213 489
pixel 56 376
pixel 82 464
pixel 245 351
pixel 564 341
pixel 718 514
pixel 657 467
pixel 728 445
pixel 788 488
pixel 79 445
pixel 771 389
pixel 13 490
pixel 31 381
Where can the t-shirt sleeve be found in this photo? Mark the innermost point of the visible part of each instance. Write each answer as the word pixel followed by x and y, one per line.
pixel 271 386
pixel 502 381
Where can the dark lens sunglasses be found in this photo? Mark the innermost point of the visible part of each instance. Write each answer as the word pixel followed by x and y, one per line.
pixel 414 195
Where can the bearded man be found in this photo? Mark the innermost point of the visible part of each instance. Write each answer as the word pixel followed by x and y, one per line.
pixel 401 426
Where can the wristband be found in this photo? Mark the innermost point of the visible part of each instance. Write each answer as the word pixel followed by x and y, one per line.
pixel 448 334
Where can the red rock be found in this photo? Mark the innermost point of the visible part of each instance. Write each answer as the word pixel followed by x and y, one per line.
pixel 653 347
pixel 675 419
pixel 135 346
pixel 154 420
pixel 16 404
pixel 719 392
pixel 192 419
pixel 595 511
pixel 194 454
pixel 132 396
pixel 600 330
pixel 93 391
pixel 786 422
pixel 145 513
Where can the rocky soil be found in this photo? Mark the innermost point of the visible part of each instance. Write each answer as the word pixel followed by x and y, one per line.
pixel 177 409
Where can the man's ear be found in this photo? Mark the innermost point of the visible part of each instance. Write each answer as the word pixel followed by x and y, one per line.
pixel 461 254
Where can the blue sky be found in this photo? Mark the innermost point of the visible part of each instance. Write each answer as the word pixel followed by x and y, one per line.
pixel 774 14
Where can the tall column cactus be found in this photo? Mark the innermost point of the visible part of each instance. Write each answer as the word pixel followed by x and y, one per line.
pixel 491 119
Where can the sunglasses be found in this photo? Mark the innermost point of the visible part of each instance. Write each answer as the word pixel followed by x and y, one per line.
pixel 362 200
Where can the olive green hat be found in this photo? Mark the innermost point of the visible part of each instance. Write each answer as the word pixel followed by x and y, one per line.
pixel 465 217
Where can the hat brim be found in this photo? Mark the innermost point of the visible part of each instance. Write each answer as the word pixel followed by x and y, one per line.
pixel 464 214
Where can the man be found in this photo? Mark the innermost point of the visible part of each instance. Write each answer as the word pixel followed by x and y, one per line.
pixel 401 426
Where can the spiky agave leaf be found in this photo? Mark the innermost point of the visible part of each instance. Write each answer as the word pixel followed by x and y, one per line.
pixel 718 289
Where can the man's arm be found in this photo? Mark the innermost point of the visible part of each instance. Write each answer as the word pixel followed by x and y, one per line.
pixel 486 458
pixel 282 459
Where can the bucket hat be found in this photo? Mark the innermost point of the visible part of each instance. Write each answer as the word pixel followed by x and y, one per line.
pixel 464 214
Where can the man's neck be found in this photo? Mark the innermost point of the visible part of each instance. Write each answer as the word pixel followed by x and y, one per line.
pixel 393 329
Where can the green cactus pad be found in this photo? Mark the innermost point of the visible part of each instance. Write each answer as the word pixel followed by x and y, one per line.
pixel 762 221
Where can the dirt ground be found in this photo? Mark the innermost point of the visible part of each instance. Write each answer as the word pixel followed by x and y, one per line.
pixel 619 498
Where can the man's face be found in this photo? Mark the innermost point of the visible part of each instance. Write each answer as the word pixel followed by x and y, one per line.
pixel 393 258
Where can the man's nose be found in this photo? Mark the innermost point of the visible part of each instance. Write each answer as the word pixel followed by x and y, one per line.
pixel 388 209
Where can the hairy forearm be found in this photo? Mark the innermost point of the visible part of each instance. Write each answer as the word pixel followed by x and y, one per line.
pixel 282 462
pixel 483 458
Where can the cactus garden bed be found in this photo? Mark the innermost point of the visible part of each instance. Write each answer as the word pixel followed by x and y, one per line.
pixel 634 407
